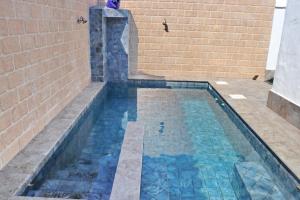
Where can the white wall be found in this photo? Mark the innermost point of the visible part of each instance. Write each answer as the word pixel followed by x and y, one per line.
pixel 278 20
pixel 281 3
pixel 287 75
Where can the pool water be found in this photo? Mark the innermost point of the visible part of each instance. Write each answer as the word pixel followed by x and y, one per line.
pixel 86 166
pixel 192 150
pixel 190 146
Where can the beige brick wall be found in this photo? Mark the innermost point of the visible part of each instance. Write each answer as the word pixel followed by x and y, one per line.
pixel 218 38
pixel 44 54
pixel 44 64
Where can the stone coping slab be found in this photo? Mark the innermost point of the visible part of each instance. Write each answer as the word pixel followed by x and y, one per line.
pixel 118 13
pixel 127 182
pixel 22 169
pixel 109 12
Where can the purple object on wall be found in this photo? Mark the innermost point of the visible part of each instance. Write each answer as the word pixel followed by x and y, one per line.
pixel 115 4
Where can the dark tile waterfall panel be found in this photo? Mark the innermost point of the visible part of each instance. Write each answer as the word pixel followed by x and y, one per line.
pixel 117 49
pixel 116 44
pixel 114 40
pixel 96 44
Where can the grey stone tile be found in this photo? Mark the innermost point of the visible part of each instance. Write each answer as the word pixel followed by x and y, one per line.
pixel 127 181
pixel 25 163
pixel 11 183
pixel 107 12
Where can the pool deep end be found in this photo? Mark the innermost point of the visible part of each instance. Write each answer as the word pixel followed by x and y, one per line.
pixel 94 144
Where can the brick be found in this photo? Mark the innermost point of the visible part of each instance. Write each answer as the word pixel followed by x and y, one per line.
pixel 35 56
pixel 20 60
pixel 33 102
pixel 9 152
pixel 35 11
pixel 27 42
pixel 25 91
pixel 26 137
pixel 15 79
pixel 29 121
pixel 4 28
pixel 7 8
pixel 211 26
pixel 40 41
pixel 23 9
pixel 2 147
pixel 8 100
pixel 4 84
pixel 6 64
pixel 15 27
pixel 10 45
pixel 44 26
pixel 31 26
pixel 19 111
pixel 42 67
pixel 10 134
pixel 5 120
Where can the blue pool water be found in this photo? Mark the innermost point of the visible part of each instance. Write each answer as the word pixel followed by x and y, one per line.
pixel 86 166
pixel 192 150
pixel 194 156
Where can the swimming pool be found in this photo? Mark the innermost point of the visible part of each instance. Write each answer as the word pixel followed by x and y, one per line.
pixel 195 147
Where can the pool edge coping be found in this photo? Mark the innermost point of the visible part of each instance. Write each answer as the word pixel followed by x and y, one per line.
pixel 128 175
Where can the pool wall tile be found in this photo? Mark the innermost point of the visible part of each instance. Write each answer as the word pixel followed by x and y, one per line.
pixel 167 84
pixel 113 43
pixel 96 44
pixel 117 36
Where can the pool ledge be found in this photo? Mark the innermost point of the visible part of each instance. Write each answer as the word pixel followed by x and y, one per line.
pixel 20 171
pixel 127 182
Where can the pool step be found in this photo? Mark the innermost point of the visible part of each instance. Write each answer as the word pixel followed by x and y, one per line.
pixel 127 182
pixel 76 175
pixel 62 189
pixel 253 182
pixel 85 169
pixel 57 194
pixel 67 186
